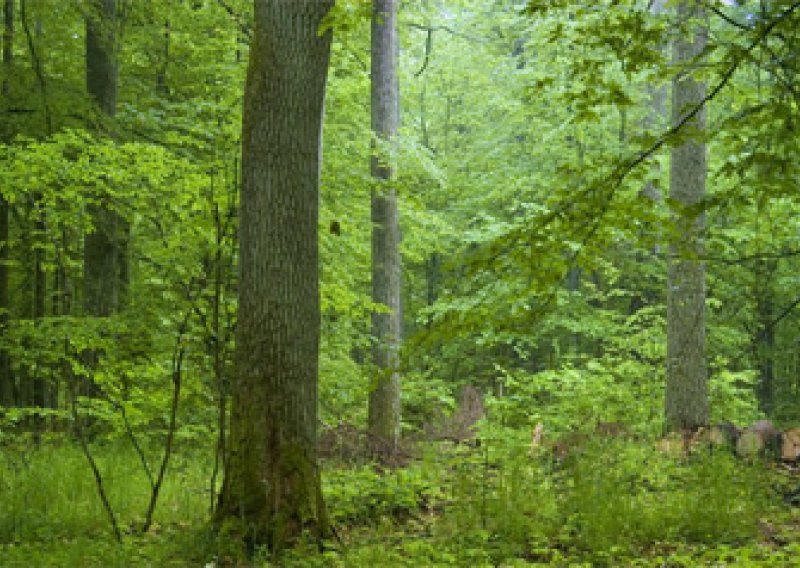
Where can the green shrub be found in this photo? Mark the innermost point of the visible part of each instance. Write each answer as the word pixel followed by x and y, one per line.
pixel 622 498
pixel 361 495
pixel 49 492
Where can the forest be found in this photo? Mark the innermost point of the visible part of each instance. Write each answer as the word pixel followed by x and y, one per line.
pixel 367 283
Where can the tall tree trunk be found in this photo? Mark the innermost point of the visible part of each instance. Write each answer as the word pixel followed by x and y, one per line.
pixel 62 296
pixel 6 379
pixel 686 401
pixel 271 488
pixel 105 248
pixel 39 385
pixel 101 58
pixel 33 387
pixel 384 398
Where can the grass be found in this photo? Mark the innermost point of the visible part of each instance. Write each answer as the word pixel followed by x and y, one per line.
pixel 50 491
pixel 52 516
pixel 615 503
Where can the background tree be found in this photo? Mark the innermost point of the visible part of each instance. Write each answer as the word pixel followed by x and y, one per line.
pixel 384 397
pixel 272 481
pixel 105 247
pixel 686 402
pixel 7 387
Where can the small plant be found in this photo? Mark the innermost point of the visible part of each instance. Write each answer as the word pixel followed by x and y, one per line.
pixel 362 495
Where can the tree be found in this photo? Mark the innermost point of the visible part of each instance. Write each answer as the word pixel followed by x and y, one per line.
pixel 33 389
pixel 686 400
pixel 272 481
pixel 384 399
pixel 6 380
pixel 105 263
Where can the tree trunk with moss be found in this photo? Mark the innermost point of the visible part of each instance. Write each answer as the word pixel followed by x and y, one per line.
pixel 384 398
pixel 271 489
pixel 686 401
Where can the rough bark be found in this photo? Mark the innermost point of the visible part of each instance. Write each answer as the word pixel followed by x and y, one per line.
pixel 384 398
pixel 105 248
pixel 686 403
pixel 6 379
pixel 271 489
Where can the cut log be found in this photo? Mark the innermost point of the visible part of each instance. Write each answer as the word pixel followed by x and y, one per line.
pixel 790 450
pixel 761 439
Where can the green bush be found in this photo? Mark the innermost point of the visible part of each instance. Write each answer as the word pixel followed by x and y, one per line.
pixel 622 498
pixel 49 492
pixel 361 495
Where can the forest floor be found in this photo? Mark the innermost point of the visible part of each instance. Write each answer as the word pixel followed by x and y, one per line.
pixel 611 503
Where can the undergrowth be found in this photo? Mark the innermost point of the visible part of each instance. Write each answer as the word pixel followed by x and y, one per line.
pixel 609 502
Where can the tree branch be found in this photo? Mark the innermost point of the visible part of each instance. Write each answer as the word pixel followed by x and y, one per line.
pixel 711 6
pixel 243 26
pixel 618 176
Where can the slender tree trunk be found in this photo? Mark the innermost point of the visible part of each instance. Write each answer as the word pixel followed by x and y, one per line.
pixel 39 384
pixel 162 88
pixel 101 59
pixel 384 399
pixel 764 340
pixel 6 378
pixel 105 248
pixel 33 387
pixel 433 277
pixel 271 489
pixel 62 297
pixel 686 402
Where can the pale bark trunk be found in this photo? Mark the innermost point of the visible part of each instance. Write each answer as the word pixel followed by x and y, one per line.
pixel 271 488
pixel 384 399
pixel 686 402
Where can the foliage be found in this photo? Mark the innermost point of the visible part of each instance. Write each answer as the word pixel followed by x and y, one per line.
pixel 46 502
pixel 618 502
pixel 365 496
